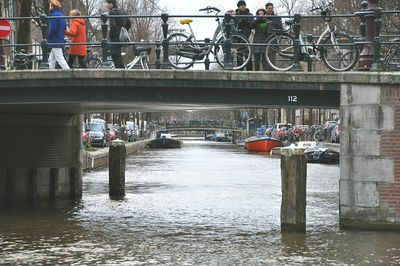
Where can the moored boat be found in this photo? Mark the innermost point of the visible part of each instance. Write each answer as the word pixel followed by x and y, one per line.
pixel 165 140
pixel 261 144
pixel 323 153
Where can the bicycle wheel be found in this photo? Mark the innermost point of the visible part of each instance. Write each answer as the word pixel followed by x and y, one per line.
pixel 279 51
pixel 93 62
pixel 392 61
pixel 341 55
pixel 319 136
pixel 180 52
pixel 240 51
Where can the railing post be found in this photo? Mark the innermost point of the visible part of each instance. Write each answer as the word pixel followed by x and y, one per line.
pixel 44 64
pixel 297 44
pixel 228 60
pixel 165 42
pixel 363 23
pixel 309 60
pixel 158 55
pixel 2 58
pixel 367 54
pixel 104 43
pixel 207 41
pixel 376 65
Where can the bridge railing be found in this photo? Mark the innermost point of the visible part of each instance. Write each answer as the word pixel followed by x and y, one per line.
pixel 370 40
pixel 202 124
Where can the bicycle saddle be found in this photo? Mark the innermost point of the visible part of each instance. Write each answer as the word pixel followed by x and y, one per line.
pixel 140 49
pixel 186 21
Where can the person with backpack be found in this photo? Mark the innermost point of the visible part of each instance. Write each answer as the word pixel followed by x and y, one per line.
pixel 115 29
pixel 56 36
pixel 77 34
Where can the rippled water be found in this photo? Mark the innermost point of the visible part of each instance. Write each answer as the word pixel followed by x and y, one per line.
pixel 205 204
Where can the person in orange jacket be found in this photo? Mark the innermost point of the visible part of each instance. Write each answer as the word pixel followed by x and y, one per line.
pixel 77 34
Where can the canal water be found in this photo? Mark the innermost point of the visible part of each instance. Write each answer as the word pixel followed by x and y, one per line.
pixel 205 204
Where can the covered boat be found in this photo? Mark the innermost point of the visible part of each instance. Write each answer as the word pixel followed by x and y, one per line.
pixel 323 153
pixel 165 140
pixel 261 143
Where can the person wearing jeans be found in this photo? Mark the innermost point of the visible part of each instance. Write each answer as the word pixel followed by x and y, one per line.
pixel 56 36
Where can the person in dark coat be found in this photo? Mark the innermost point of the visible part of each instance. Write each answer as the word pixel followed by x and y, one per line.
pixel 244 26
pixel 274 23
pixel 115 29
pixel 56 36
pixel 260 26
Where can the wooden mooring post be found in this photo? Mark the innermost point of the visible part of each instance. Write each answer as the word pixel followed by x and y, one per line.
pixel 294 181
pixel 117 156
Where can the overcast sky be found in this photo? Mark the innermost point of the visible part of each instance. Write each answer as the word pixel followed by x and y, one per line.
pixel 203 27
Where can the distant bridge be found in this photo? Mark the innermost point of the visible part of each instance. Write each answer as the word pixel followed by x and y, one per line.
pixel 203 128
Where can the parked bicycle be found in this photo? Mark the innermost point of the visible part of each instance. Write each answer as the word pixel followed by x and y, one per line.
pixel 23 60
pixel 391 61
pixel 93 59
pixel 336 50
pixel 185 50
pixel 142 53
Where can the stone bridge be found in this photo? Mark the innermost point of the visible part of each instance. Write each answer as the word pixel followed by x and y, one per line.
pixel 41 125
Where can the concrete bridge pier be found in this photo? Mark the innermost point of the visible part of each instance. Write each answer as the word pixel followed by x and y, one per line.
pixel 40 157
pixel 370 156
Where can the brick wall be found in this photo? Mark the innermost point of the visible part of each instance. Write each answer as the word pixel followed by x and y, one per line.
pixel 390 147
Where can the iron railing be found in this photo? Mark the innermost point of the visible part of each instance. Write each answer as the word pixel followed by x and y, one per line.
pixel 370 20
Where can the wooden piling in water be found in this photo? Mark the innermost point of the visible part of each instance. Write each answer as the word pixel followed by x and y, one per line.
pixel 117 156
pixel 294 180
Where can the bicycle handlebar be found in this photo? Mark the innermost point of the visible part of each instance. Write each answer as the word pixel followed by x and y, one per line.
pixel 209 9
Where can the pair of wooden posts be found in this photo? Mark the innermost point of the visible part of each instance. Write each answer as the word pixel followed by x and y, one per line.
pixel 293 174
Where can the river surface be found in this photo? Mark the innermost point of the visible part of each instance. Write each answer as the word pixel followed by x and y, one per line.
pixel 205 204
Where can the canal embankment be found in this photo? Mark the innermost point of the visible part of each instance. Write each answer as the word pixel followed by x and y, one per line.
pixel 97 159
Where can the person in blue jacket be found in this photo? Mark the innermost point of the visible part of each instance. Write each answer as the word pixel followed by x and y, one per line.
pixel 55 36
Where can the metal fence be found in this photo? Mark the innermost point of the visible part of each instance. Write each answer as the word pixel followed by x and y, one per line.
pixel 370 40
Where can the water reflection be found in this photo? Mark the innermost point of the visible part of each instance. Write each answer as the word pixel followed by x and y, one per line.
pixel 207 204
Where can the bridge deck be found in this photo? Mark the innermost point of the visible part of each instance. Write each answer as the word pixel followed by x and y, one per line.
pixel 78 91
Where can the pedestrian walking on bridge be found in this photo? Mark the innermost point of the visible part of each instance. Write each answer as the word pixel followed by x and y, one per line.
pixel 56 36
pixel 77 34
pixel 115 29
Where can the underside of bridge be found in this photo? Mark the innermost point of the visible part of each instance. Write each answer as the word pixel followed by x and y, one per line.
pixel 41 126
pixel 88 91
